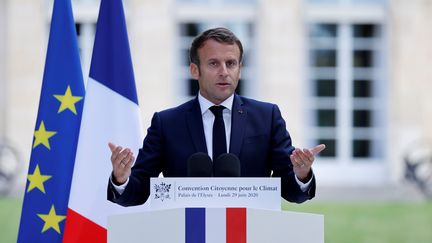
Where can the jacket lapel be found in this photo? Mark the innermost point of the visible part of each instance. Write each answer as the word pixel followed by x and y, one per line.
pixel 196 128
pixel 238 124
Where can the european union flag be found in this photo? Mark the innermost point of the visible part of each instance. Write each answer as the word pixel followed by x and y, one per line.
pixel 56 134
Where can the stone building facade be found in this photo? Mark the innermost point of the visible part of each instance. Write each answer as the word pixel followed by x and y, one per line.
pixel 352 74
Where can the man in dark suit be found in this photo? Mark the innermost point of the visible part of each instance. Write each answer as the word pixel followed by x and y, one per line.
pixel 255 130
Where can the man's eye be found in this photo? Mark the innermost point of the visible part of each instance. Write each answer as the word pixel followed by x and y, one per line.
pixel 213 64
pixel 231 64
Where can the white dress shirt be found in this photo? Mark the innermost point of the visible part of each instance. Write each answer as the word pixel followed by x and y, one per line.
pixel 208 120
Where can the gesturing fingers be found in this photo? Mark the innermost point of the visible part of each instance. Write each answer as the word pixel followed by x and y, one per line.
pixel 296 163
pixel 127 159
pixel 112 147
pixel 302 158
pixel 299 159
pixel 123 158
pixel 317 149
pixel 120 158
pixel 122 161
pixel 305 157
pixel 115 150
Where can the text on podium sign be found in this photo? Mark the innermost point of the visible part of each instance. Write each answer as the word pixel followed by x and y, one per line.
pixel 261 193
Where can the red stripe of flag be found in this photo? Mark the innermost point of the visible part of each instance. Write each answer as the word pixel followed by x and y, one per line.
pixel 236 225
pixel 80 229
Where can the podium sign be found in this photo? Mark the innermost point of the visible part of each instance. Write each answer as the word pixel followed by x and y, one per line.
pixel 260 193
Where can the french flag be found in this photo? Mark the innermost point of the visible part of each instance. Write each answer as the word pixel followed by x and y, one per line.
pixel 110 114
pixel 215 225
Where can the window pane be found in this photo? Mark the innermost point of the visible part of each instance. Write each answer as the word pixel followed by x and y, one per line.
pixel 189 29
pixel 362 88
pixel 324 58
pixel 330 150
pixel 364 30
pixel 363 58
pixel 239 89
pixel 362 118
pixel 325 88
pixel 78 28
pixel 193 87
pixel 361 148
pixel 323 30
pixel 185 57
pixel 245 60
pixel 326 118
pixel 250 30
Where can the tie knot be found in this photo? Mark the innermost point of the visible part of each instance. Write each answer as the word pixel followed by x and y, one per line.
pixel 217 110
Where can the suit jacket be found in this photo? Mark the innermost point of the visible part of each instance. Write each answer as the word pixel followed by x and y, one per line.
pixel 258 137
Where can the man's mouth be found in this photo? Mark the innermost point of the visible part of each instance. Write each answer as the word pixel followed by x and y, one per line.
pixel 223 84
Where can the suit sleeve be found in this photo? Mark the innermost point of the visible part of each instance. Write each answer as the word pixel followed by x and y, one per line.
pixel 148 164
pixel 281 149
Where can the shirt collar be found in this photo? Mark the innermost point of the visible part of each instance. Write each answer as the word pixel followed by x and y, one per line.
pixel 205 104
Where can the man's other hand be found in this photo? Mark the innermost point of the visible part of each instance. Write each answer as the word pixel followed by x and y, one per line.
pixel 122 161
pixel 302 160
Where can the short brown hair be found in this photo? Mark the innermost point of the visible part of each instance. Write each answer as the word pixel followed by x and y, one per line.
pixel 221 35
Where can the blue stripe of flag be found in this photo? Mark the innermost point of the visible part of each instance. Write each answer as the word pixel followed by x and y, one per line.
pixel 195 225
pixel 111 61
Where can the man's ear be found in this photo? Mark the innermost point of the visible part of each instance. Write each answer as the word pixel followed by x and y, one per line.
pixel 194 70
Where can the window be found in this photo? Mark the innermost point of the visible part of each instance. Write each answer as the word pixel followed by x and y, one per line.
pixel 345 75
pixel 85 36
pixel 85 16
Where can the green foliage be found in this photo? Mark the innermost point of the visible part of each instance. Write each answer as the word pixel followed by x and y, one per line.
pixel 372 222
pixel 10 212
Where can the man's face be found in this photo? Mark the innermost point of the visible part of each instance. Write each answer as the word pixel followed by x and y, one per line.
pixel 219 70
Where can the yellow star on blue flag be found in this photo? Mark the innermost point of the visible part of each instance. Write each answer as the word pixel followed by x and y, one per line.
pixel 51 220
pixel 42 136
pixel 36 180
pixel 67 101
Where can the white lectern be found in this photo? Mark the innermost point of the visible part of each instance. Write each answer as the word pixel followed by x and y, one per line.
pixel 201 224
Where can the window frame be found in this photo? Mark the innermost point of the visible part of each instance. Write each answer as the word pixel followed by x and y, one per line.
pixel 345 16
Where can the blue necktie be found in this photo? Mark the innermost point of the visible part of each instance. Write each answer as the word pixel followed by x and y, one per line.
pixel 219 137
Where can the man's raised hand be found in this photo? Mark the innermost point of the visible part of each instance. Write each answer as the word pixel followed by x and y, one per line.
pixel 122 161
pixel 302 160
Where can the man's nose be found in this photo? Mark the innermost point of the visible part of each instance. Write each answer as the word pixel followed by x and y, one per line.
pixel 223 69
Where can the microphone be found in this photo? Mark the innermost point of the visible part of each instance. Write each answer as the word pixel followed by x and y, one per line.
pixel 226 165
pixel 199 165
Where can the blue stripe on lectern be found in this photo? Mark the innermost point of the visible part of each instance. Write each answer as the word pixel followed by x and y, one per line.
pixel 195 225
